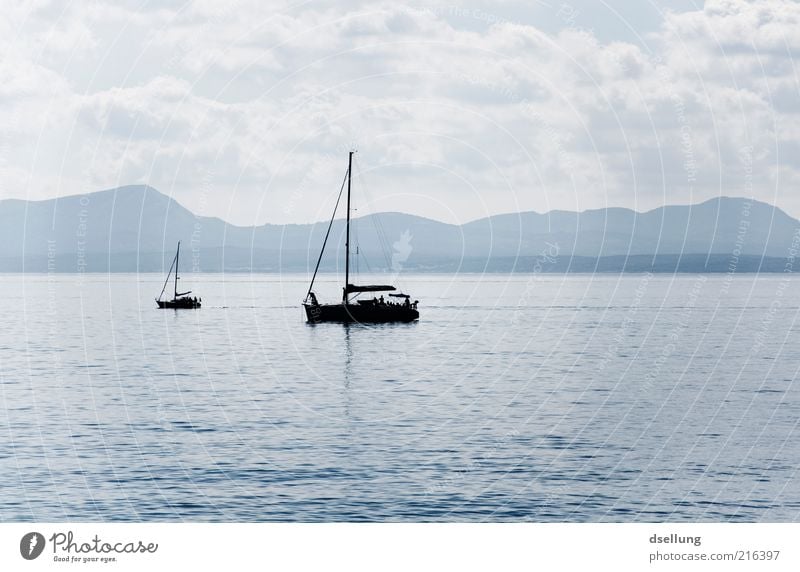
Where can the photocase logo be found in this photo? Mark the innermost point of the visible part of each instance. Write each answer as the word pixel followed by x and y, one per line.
pixel 402 250
pixel 31 545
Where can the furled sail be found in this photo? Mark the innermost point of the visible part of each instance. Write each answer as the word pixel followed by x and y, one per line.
pixel 370 288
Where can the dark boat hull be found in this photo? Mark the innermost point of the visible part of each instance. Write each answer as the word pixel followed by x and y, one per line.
pixel 355 313
pixel 179 304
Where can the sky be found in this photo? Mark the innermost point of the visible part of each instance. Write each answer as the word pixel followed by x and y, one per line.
pixel 246 109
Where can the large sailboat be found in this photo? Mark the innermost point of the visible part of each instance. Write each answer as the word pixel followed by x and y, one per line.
pixel 352 309
pixel 180 300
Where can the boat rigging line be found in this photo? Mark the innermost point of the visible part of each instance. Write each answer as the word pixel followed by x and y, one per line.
pixel 169 273
pixel 327 234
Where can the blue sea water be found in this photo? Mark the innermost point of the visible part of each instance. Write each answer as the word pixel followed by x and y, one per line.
pixel 514 398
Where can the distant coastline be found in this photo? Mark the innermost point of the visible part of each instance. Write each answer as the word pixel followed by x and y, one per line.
pixel 136 228
pixel 636 264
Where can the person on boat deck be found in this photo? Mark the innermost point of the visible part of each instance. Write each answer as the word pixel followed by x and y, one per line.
pixel 374 301
pixel 381 302
pixel 313 298
pixel 407 303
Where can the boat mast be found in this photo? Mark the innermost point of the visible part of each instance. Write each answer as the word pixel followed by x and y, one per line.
pixel 177 255
pixel 347 239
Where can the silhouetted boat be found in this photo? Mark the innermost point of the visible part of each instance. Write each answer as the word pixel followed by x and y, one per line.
pixel 180 300
pixel 374 310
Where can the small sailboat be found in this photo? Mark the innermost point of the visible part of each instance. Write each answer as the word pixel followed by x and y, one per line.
pixel 180 300
pixel 374 310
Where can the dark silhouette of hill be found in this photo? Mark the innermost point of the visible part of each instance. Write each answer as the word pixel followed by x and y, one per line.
pixel 135 228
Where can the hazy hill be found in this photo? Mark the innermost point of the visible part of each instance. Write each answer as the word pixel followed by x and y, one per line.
pixel 135 228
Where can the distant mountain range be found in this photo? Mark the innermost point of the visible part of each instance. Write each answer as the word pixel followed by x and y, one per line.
pixel 136 228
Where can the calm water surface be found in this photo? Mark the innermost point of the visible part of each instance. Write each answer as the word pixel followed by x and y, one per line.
pixel 540 398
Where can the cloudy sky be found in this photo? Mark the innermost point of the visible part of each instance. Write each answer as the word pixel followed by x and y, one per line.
pixel 245 109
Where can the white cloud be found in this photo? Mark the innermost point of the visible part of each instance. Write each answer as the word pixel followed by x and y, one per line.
pixel 238 107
